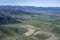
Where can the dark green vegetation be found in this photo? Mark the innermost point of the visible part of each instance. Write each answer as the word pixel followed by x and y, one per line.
pixel 56 30
pixel 10 32
pixel 42 36
pixel 11 20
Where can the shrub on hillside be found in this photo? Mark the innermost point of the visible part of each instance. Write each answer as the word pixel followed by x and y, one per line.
pixel 56 30
pixel 43 36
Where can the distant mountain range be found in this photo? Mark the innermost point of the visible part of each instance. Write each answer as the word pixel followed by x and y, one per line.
pixel 9 14
pixel 30 8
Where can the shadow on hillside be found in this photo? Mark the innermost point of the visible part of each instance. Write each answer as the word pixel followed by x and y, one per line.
pixel 8 20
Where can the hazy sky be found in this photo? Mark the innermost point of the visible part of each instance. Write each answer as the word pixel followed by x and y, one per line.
pixel 38 3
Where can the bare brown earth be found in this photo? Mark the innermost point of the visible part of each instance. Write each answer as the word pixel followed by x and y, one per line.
pixel 30 28
pixel 30 32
